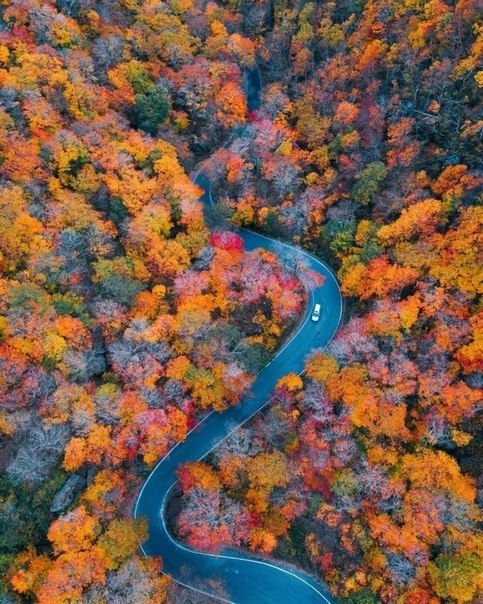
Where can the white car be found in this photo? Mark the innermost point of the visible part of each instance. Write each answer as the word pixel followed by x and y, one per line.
pixel 316 313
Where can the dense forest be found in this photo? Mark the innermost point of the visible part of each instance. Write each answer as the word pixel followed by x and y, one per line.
pixel 126 314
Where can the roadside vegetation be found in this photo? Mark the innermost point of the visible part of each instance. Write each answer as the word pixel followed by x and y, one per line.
pixel 125 315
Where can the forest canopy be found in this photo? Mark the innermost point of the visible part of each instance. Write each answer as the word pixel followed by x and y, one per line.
pixel 127 314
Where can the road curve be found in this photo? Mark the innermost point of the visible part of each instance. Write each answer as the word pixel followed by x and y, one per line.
pixel 233 576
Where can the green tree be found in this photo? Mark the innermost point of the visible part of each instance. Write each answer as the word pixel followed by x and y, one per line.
pixel 363 596
pixel 456 577
pixel 151 108
pixel 368 182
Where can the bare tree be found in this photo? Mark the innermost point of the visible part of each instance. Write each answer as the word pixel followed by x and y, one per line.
pixel 402 570
pixel 204 258
pixel 132 583
pixel 239 443
pixel 40 449
pixel 293 218
pixel 212 510
pixel 285 179
pixel 84 364
pixel 107 52
pixel 273 428
pixel 316 399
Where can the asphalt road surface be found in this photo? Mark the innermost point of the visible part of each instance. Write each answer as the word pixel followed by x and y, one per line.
pixel 233 575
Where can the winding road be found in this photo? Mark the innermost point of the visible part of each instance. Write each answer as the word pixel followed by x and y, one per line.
pixel 244 579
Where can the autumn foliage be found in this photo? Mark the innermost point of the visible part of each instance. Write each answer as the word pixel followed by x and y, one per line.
pixel 124 318
pixel 364 151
